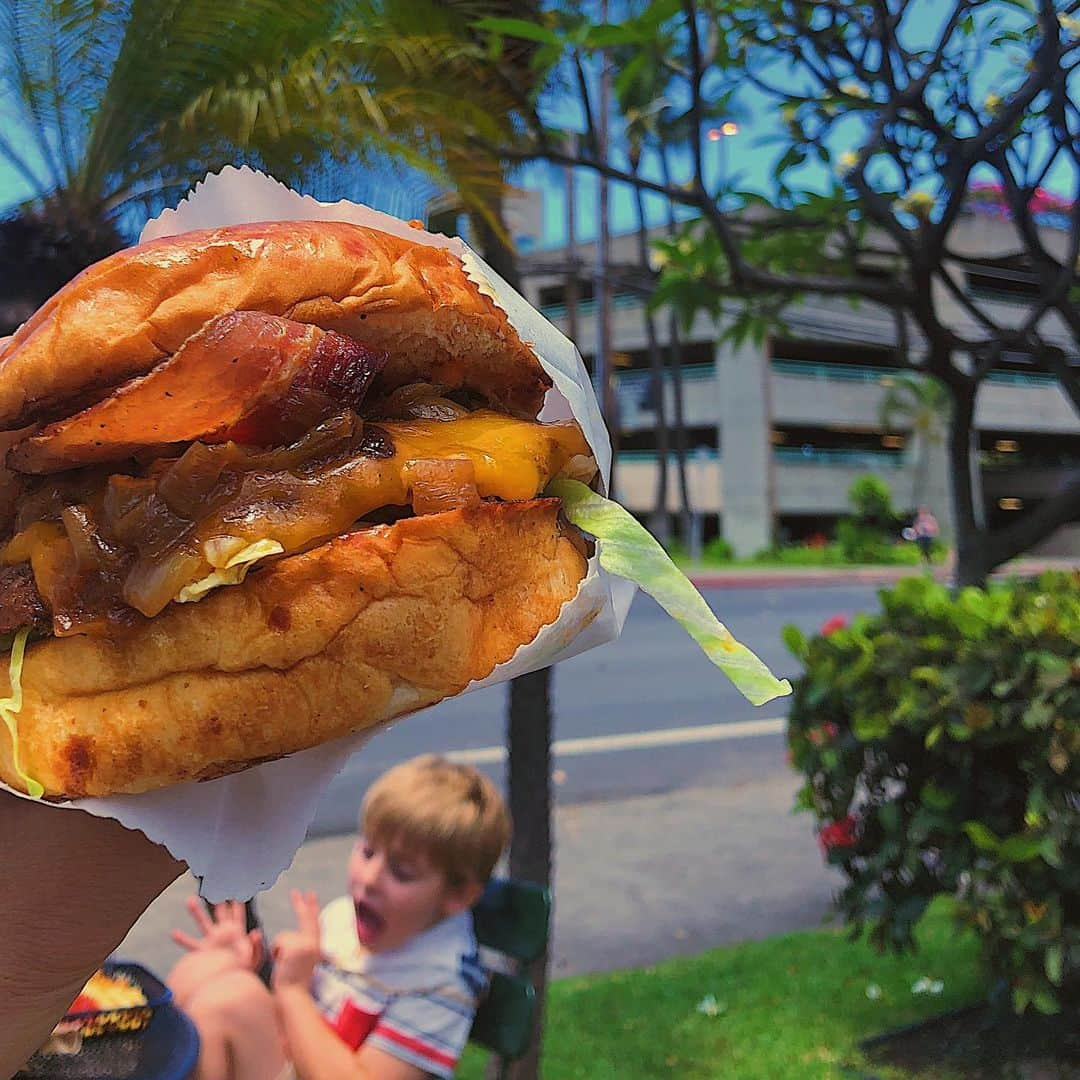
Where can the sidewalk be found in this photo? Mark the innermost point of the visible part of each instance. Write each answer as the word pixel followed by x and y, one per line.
pixel 756 577
pixel 637 880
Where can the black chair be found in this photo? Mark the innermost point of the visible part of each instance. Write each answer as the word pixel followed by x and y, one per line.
pixel 512 919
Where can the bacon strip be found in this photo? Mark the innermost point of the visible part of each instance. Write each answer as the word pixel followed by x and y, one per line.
pixel 230 373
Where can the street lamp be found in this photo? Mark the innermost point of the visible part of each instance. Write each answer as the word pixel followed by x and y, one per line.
pixel 717 135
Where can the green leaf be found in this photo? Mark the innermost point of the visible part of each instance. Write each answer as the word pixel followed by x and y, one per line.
pixel 1045 1002
pixel 1039 715
pixel 933 736
pixel 1051 853
pixel 795 640
pixel 1022 848
pixel 520 28
pixel 607 34
pixel 981 836
pixel 627 549
pixel 936 798
pixel 1054 963
pixel 871 726
pixel 889 816
pixel 629 74
pixel 659 12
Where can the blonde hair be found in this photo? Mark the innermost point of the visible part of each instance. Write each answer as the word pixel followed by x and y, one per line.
pixel 452 814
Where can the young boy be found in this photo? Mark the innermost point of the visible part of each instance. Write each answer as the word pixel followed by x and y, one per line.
pixel 383 983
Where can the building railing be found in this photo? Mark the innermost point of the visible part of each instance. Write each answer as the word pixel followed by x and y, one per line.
pixel 588 307
pixel 825 372
pixel 785 455
pixel 862 459
pixel 649 457
pixel 690 373
pixel 1021 378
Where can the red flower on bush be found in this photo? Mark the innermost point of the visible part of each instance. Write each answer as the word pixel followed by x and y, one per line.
pixel 821 735
pixel 840 834
pixel 830 626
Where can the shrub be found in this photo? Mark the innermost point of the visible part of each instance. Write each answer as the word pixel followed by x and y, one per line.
pixel 717 552
pixel 871 500
pixel 940 741
pixel 862 543
pixel 677 550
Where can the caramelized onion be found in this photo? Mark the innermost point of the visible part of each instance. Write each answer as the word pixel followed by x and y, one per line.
pixel 12 484
pixel 437 484
pixel 419 401
pixel 153 581
pixel 188 483
pixel 92 551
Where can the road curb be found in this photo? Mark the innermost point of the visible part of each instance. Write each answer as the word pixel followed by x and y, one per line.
pixel 768 578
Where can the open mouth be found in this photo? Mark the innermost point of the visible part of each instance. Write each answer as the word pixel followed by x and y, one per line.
pixel 369 923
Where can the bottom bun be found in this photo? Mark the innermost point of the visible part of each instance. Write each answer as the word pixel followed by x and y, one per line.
pixel 363 629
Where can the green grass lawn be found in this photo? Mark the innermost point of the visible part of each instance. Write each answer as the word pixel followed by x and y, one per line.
pixel 790 1007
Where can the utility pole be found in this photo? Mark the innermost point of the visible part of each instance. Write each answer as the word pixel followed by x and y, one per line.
pixel 573 279
pixel 605 384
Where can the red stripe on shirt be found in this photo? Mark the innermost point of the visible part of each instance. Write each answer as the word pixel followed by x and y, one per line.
pixel 440 1057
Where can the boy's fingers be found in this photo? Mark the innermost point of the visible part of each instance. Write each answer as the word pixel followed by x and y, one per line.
pixel 309 913
pixel 297 901
pixel 255 937
pixel 185 941
pixel 199 914
pixel 301 903
pixel 234 912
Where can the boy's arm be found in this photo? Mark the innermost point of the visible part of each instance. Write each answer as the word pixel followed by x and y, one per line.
pixel 318 1054
pixel 71 886
pixel 314 1049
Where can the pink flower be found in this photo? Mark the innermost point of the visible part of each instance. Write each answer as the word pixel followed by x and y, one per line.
pixel 839 834
pixel 830 626
pixel 831 730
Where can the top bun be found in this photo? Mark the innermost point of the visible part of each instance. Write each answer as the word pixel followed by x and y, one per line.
pixel 123 315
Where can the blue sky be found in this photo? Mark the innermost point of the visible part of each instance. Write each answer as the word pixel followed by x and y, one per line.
pixel 749 157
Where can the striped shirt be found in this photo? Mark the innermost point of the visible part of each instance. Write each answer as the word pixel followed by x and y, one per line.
pixel 416 1002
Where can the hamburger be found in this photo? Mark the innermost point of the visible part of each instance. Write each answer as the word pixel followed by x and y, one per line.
pixel 261 487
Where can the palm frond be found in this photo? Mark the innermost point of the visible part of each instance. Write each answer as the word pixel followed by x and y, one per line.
pixel 132 100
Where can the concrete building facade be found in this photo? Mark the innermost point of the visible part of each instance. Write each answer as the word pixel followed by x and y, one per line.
pixel 777 432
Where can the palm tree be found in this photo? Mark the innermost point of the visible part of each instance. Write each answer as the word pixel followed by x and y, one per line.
pixel 121 104
pixel 921 406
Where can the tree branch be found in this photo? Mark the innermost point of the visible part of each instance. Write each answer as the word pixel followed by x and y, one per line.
pixel 696 74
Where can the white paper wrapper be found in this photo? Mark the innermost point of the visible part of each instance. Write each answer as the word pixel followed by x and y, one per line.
pixel 240 832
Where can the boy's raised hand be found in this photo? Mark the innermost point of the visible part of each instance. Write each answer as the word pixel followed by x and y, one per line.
pixel 296 952
pixel 226 930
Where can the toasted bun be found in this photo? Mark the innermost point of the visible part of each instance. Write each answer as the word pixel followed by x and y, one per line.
pixel 363 629
pixel 123 315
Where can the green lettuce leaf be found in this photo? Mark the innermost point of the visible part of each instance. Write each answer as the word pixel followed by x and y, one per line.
pixel 11 706
pixel 629 551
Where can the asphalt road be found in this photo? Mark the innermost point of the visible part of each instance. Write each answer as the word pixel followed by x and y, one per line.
pixel 652 679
